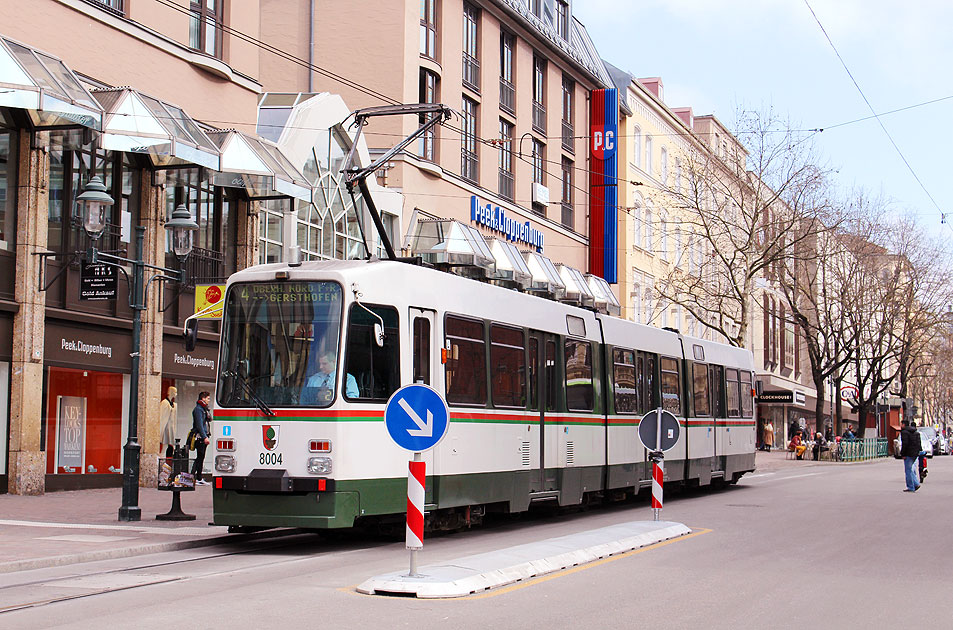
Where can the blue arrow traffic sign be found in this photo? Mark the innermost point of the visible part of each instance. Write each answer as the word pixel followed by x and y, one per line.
pixel 416 417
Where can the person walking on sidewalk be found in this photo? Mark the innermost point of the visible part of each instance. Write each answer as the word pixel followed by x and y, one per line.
pixel 768 436
pixel 910 451
pixel 201 425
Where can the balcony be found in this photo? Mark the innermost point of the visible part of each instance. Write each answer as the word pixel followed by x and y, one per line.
pixel 204 266
pixel 507 97
pixel 507 184
pixel 568 137
pixel 469 166
pixel 539 117
pixel 567 217
pixel 471 72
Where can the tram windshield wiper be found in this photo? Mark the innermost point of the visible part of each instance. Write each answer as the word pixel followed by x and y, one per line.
pixel 265 409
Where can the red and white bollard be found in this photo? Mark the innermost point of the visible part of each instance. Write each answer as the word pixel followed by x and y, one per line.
pixel 658 475
pixel 416 486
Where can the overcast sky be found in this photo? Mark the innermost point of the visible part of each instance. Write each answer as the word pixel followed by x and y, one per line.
pixel 718 55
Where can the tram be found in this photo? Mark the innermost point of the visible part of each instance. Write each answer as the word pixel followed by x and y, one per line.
pixel 545 398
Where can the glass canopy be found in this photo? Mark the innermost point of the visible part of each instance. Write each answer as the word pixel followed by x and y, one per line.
pixel 137 123
pixel 545 279
pixel 258 166
pixel 45 87
pixel 577 289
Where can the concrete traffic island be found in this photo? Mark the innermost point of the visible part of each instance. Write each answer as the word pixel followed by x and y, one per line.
pixel 472 574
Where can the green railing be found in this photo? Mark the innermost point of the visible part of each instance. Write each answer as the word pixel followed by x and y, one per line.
pixel 860 450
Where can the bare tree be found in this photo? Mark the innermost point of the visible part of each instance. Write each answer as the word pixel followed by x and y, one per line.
pixel 746 213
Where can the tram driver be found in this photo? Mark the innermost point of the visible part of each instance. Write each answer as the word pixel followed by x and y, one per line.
pixel 320 385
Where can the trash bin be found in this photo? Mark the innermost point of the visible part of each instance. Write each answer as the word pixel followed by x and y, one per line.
pixel 174 477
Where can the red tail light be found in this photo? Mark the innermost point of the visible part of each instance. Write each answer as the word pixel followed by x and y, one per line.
pixel 319 446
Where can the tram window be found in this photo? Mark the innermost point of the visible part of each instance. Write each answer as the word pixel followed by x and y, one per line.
pixel 747 397
pixel 646 381
pixel 507 366
pixel 422 350
pixel 375 370
pixel 550 376
pixel 734 400
pixel 466 362
pixel 670 389
pixel 623 381
pixel 579 392
pixel 700 392
pixel 533 374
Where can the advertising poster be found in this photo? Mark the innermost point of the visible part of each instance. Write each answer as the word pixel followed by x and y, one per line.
pixel 70 433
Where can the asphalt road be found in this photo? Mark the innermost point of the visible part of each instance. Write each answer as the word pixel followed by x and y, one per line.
pixel 825 546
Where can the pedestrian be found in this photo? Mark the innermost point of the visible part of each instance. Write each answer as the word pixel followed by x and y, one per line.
pixel 910 451
pixel 201 425
pixel 768 436
pixel 829 434
pixel 849 432
pixel 167 421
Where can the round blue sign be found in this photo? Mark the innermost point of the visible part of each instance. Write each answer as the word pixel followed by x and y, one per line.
pixel 416 417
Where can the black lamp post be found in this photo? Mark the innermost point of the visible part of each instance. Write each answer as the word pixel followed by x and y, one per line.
pixel 94 201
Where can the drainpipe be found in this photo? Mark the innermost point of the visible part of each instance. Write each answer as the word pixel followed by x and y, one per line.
pixel 311 47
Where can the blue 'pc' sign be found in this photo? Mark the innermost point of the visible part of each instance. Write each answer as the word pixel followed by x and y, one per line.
pixel 416 417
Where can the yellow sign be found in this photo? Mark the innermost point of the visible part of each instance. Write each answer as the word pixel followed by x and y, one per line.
pixel 208 301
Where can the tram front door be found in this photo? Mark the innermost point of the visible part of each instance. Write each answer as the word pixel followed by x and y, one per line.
pixel 543 388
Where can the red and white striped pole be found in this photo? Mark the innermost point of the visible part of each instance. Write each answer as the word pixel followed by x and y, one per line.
pixel 658 475
pixel 416 486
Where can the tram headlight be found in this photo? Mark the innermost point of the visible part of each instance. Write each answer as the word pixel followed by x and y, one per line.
pixel 225 463
pixel 319 465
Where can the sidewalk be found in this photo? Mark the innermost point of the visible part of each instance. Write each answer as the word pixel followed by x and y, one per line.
pixel 79 526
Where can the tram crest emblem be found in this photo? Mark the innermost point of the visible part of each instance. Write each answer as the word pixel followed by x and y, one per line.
pixel 269 436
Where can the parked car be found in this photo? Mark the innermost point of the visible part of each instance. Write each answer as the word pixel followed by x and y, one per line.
pixel 929 439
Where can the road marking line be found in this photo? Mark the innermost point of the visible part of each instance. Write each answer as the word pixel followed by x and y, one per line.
pixel 760 475
pixel 793 476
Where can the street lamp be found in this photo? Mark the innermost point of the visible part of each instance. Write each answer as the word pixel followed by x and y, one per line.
pixel 93 202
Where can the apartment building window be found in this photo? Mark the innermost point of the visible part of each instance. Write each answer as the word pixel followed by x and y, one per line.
pixel 535 6
pixel 637 224
pixel 569 88
pixel 115 5
pixel 637 146
pixel 562 18
pixel 205 24
pixel 428 94
pixel 567 218
pixel 469 165
pixel 428 28
pixel 539 94
pixel 649 236
pixel 506 160
pixel 648 154
pixel 507 91
pixel 663 163
pixel 471 53
pixel 539 172
pixel 663 234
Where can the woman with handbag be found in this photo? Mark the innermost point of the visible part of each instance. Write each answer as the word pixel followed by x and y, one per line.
pixel 201 426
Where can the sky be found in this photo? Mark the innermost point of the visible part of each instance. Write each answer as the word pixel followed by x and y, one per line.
pixel 717 56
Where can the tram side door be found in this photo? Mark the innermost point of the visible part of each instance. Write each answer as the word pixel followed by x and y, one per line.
pixel 543 382
pixel 425 372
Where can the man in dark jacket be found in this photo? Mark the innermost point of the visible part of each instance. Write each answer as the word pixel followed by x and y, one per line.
pixel 910 451
pixel 201 424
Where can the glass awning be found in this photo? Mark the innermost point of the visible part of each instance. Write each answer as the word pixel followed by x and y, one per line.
pixel 605 299
pixel 45 87
pixel 137 123
pixel 445 242
pixel 511 269
pixel 545 278
pixel 258 166
pixel 577 290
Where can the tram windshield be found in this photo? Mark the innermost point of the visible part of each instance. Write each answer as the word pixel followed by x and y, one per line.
pixel 280 344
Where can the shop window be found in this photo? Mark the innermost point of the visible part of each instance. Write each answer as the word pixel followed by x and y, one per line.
pixel 466 361
pixel 271 223
pixel 700 390
pixel 507 366
pixel 623 381
pixel 579 390
pixel 374 369
pixel 8 187
pixel 83 428
pixel 671 400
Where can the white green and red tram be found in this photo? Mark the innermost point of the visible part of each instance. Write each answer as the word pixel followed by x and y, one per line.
pixel 545 398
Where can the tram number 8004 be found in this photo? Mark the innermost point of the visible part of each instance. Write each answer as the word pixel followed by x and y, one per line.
pixel 269 458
